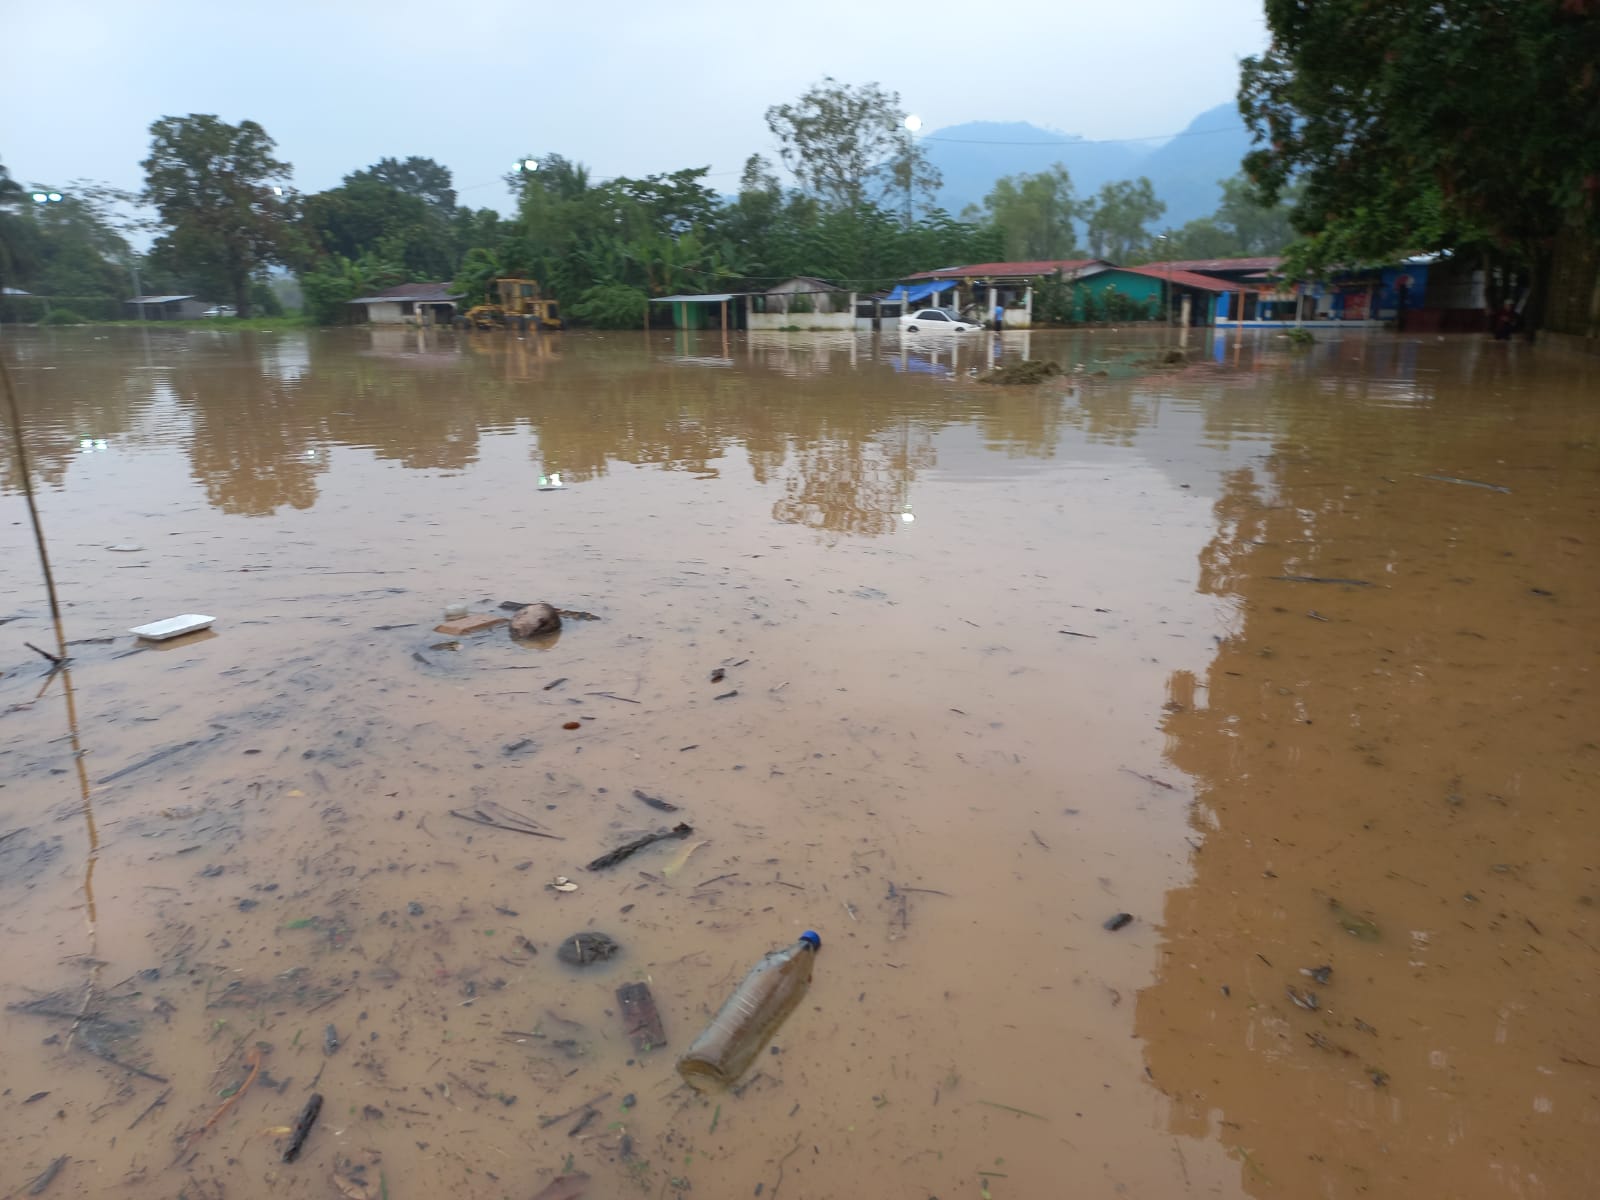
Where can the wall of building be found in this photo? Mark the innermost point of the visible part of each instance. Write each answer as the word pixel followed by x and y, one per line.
pixel 387 312
pixel 1141 289
pixel 805 320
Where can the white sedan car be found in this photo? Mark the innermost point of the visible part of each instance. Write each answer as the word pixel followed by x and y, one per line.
pixel 937 320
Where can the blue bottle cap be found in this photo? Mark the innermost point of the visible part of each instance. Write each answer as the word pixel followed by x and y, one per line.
pixel 811 939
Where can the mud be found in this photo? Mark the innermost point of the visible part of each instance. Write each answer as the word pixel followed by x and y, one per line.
pixel 993 665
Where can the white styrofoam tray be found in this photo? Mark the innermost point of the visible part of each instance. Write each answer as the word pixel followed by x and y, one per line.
pixel 160 631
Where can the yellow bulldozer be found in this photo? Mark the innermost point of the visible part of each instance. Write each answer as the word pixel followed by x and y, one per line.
pixel 517 304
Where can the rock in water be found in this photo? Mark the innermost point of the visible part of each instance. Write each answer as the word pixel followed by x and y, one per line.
pixel 586 947
pixel 535 621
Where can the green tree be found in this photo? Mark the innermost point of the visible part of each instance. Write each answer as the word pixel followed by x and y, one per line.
pixel 611 306
pixel 849 145
pixel 1119 217
pixel 213 186
pixel 421 177
pixel 1429 124
pixel 1204 237
pixel 336 280
pixel 1257 228
pixel 365 214
pixel 1034 214
pixel 16 256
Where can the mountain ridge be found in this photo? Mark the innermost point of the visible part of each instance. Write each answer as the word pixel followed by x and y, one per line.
pixel 1184 169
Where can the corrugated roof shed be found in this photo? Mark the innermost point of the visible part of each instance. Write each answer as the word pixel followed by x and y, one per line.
pixel 1018 270
pixel 156 299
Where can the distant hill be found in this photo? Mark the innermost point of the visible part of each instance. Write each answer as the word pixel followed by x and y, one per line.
pixel 1184 170
pixel 972 156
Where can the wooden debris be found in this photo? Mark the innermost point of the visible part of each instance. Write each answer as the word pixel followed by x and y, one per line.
pixel 302 1127
pixel 47 1176
pixel 655 802
pixel 497 816
pixel 612 857
pixel 640 1017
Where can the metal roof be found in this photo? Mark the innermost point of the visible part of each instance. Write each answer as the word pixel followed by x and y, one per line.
pixel 425 292
pixel 819 285
pixel 156 299
pixel 1188 279
pixel 1047 266
pixel 708 298
pixel 1270 262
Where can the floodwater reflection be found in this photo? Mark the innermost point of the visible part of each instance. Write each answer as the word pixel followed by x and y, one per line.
pixel 1393 779
pixel 992 665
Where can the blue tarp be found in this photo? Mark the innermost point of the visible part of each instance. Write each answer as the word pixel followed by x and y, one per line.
pixel 917 291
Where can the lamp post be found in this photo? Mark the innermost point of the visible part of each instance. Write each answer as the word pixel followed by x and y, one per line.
pixel 1166 298
pixel 913 125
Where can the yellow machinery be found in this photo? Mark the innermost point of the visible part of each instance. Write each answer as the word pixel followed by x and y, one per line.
pixel 517 304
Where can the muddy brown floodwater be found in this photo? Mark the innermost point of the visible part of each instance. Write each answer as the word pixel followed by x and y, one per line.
pixel 1245 649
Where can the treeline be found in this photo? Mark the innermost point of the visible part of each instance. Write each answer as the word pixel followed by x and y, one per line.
pixel 227 220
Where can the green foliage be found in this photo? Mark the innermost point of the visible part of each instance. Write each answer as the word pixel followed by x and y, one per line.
pixel 1118 220
pixel 64 316
pixel 478 270
pixel 366 215
pixel 1257 228
pixel 849 147
pixel 213 185
pixel 1119 306
pixel 1055 302
pixel 420 177
pixel 69 247
pixel 612 306
pixel 1428 124
pixel 14 259
pixel 264 300
pixel 329 288
pixel 1034 215
pixel 1204 237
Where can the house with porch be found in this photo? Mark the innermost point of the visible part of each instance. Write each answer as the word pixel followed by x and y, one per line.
pixel 1259 297
pixel 407 304
pixel 983 288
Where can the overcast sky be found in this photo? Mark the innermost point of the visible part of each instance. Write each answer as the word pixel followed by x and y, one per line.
pixel 628 88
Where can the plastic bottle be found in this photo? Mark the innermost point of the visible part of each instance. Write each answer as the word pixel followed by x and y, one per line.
pixel 749 1017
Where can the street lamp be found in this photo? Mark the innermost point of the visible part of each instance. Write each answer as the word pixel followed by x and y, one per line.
pixel 526 164
pixel 913 123
pixel 47 197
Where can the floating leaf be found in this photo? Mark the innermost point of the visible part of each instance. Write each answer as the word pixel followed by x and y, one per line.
pixel 680 858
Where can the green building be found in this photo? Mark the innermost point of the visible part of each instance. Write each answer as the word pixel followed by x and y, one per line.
pixel 1141 293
